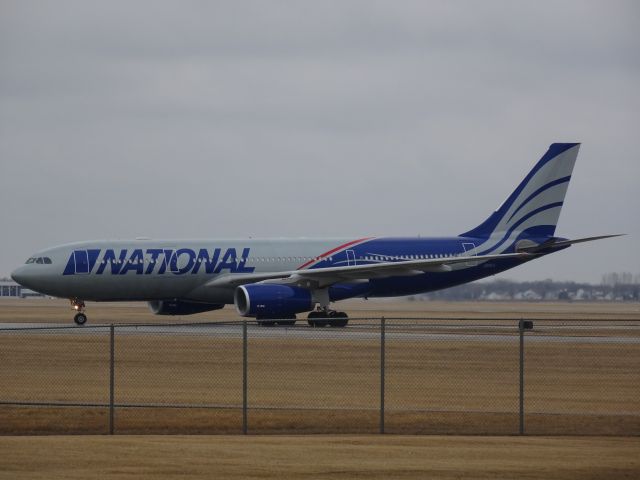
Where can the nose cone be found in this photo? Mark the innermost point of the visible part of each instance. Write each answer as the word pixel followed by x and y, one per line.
pixel 17 275
pixel 22 276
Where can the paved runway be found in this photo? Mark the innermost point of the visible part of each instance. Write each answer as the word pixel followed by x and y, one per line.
pixel 481 333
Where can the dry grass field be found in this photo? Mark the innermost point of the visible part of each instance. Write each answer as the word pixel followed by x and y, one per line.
pixel 321 384
pixel 319 457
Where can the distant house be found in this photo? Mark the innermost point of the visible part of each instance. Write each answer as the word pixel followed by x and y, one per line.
pixel 527 295
pixel 10 289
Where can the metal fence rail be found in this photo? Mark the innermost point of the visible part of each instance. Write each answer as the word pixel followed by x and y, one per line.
pixel 398 375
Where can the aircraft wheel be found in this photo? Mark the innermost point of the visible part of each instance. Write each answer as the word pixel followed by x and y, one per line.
pixel 80 318
pixel 266 323
pixel 339 319
pixel 317 319
pixel 287 323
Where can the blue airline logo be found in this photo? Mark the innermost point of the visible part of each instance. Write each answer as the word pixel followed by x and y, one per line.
pixel 157 261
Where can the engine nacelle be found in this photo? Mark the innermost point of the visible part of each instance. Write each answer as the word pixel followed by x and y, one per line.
pixel 271 301
pixel 181 307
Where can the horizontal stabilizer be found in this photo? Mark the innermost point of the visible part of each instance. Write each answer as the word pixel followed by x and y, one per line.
pixel 554 243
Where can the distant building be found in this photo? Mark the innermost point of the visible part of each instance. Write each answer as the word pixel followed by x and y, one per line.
pixel 527 295
pixel 10 289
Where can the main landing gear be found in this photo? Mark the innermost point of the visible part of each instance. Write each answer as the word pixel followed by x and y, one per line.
pixel 78 305
pixel 317 318
pixel 327 318
pixel 283 322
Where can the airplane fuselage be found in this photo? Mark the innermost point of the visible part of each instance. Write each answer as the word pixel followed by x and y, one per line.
pixel 161 269
pixel 278 278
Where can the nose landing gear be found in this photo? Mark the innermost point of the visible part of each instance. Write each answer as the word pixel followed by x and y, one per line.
pixel 78 305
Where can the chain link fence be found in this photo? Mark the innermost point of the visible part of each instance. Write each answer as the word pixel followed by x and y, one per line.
pixel 403 376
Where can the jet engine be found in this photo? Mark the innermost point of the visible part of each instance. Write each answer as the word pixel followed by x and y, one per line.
pixel 181 307
pixel 271 301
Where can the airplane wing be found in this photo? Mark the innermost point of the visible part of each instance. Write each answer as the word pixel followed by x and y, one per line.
pixel 324 277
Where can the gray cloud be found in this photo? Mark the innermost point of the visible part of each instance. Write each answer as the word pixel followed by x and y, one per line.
pixel 206 119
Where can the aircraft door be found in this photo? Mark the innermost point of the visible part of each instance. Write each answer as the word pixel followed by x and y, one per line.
pixel 81 259
pixel 351 258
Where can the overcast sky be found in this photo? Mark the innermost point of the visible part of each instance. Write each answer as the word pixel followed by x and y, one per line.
pixel 234 119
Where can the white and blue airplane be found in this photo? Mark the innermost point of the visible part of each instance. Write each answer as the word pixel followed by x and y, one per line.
pixel 272 280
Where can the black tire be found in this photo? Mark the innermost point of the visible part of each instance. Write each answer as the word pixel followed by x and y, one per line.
pixel 339 320
pixel 80 318
pixel 314 319
pixel 266 323
pixel 287 323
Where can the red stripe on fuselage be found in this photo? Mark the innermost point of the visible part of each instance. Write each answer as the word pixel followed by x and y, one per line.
pixel 326 254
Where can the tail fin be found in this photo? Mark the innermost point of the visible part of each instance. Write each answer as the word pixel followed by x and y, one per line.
pixel 534 207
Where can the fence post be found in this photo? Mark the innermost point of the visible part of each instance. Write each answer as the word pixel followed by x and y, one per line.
pixel 112 362
pixel 521 327
pixel 382 371
pixel 244 378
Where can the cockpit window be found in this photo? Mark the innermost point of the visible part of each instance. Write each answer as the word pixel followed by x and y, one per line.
pixel 40 260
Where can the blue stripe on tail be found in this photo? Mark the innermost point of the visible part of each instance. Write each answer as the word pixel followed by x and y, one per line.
pixel 488 227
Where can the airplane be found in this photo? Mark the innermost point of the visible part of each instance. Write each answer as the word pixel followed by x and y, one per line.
pixel 272 280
